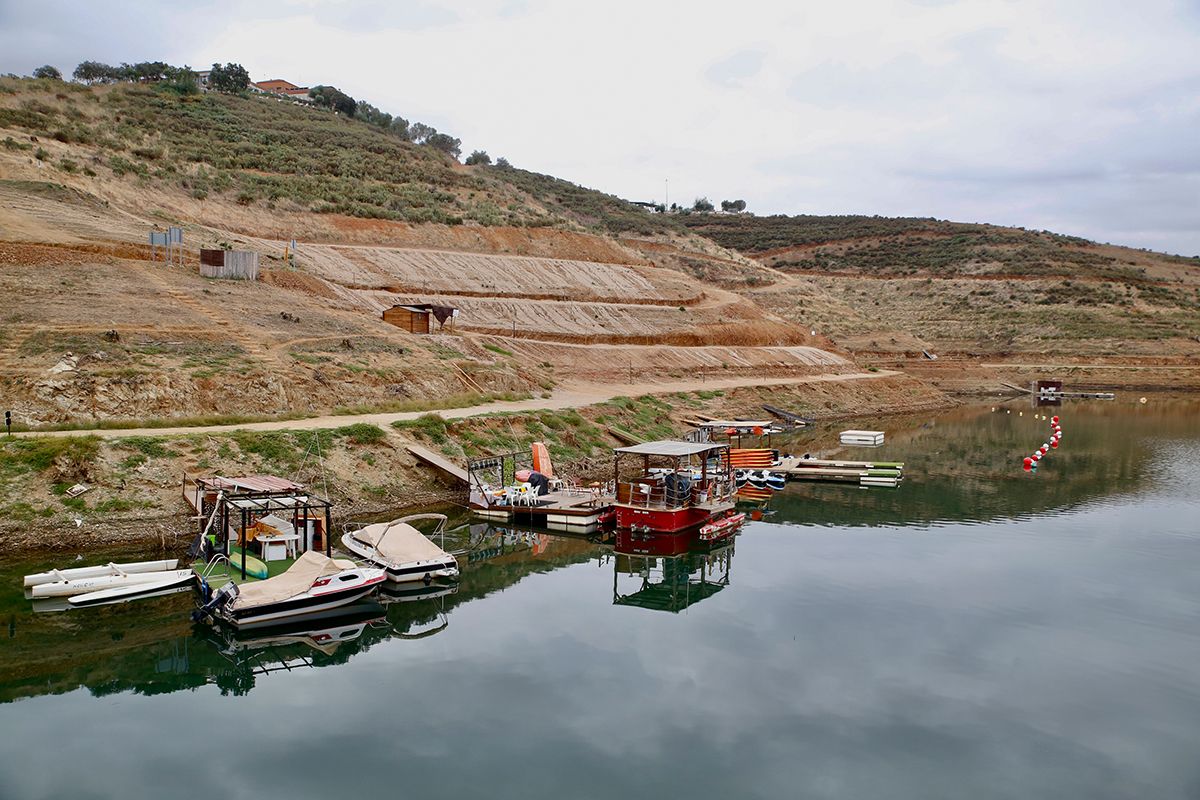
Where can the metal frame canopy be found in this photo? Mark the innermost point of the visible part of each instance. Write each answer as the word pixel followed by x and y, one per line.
pixel 669 448
pixel 245 499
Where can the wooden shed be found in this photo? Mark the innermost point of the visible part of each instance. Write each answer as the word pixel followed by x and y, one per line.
pixel 415 318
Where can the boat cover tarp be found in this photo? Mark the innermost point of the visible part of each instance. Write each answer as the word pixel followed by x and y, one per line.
pixel 399 543
pixel 297 580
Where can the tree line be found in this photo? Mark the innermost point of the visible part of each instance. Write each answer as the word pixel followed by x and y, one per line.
pixel 702 205
pixel 234 79
pixel 416 132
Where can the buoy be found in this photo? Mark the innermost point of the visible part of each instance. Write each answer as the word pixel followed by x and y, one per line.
pixel 1008 411
pixel 1142 401
pixel 1028 460
pixel 1054 420
pixel 1054 444
pixel 1028 467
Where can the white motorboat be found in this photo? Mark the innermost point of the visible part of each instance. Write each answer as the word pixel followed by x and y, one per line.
pixel 402 550
pixel 78 586
pixel 312 585
pixel 75 573
pixel 177 580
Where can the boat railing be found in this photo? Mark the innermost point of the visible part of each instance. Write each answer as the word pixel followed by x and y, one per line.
pixel 215 562
pixel 652 492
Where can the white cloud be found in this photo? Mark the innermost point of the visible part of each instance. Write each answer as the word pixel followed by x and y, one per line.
pixel 1078 115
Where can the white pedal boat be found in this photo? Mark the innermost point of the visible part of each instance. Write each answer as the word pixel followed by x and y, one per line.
pixel 78 586
pixel 402 550
pixel 169 583
pixel 311 586
pixel 75 573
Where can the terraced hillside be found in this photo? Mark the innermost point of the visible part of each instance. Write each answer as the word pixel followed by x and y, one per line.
pixel 881 286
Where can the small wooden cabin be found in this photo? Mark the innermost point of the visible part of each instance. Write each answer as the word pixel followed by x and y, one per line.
pixel 416 318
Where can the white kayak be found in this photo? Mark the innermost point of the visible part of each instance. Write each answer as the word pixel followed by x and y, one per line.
pixel 84 585
pixel 179 581
pixel 58 575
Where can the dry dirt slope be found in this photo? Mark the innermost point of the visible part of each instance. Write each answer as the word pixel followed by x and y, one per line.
pixel 101 333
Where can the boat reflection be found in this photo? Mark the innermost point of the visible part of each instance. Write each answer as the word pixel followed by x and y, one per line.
pixel 670 582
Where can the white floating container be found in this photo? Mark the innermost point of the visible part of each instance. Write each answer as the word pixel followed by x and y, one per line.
pixel 869 438
pixel 891 483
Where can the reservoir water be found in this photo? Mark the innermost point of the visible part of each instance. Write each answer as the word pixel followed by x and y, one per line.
pixel 977 632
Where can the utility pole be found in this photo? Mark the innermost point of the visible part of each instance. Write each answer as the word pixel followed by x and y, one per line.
pixel 666 193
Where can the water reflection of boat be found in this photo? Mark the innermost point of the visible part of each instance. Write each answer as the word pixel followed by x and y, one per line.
pixel 410 592
pixel 671 582
pixel 323 633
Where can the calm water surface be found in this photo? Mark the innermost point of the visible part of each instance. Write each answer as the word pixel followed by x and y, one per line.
pixel 978 632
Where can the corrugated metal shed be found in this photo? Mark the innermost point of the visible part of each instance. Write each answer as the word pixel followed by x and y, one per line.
pixel 233 264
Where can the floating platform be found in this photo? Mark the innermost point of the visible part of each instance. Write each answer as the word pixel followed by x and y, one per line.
pixel 866 438
pixel 864 473
pixel 573 510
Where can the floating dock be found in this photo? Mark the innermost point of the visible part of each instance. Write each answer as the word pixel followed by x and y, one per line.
pixel 565 510
pixel 867 438
pixel 864 473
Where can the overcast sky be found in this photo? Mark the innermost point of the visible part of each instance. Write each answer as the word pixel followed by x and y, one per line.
pixel 1079 116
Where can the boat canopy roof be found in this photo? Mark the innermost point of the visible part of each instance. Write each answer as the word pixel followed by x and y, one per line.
pixel 672 448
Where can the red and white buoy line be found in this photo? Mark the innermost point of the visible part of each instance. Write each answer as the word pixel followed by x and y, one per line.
pixel 1031 462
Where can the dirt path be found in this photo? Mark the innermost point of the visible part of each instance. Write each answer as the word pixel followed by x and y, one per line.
pixel 1014 365
pixel 569 396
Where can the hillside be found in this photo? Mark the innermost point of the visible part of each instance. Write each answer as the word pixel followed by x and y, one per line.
pixel 548 296
pixel 888 286
pixel 289 157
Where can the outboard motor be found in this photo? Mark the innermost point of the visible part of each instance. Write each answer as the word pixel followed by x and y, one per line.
pixel 218 600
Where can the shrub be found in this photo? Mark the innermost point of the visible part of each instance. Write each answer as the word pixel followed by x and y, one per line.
pixel 363 433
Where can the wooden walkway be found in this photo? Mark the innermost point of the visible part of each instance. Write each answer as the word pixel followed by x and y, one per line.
pixel 438 462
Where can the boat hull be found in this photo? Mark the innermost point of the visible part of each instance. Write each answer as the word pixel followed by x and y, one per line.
pixel 81 586
pixel 136 591
pixel 657 520
pixel 305 605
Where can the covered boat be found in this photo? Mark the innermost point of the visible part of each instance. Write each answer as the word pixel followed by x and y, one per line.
pixel 401 550
pixel 313 585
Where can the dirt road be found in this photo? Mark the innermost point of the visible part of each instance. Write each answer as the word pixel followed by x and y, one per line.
pixel 567 396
